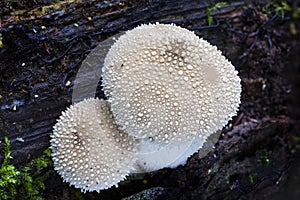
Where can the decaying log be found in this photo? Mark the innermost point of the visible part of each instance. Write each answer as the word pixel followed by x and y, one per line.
pixel 43 50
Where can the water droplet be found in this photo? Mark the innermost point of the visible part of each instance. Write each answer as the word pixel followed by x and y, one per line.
pixel 146 82
pixel 180 72
pixel 153 53
pixel 190 67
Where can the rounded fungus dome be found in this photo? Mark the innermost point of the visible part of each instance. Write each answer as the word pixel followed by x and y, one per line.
pixel 165 83
pixel 88 150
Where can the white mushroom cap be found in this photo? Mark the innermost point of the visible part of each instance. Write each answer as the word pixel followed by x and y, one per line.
pixel 88 150
pixel 165 83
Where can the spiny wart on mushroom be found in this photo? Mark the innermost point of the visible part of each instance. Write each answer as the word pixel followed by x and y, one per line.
pixel 167 90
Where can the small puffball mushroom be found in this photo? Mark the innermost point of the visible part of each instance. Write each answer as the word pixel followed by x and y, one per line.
pixel 164 83
pixel 88 150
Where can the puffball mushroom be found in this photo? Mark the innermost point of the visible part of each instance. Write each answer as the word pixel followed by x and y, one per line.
pixel 168 91
pixel 164 83
pixel 88 150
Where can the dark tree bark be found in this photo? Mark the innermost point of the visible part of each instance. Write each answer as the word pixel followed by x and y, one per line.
pixel 43 50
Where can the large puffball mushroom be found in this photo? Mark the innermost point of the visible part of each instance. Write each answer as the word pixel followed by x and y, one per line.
pixel 88 150
pixel 164 83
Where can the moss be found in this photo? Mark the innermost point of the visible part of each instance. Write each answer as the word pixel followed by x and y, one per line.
pixel 211 9
pixel 1 43
pixel 251 177
pixel 279 8
pixel 263 157
pixel 26 182
pixel 9 175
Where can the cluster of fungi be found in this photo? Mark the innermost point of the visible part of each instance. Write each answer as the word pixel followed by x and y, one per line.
pixel 167 91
